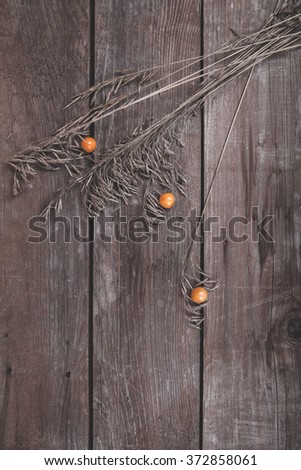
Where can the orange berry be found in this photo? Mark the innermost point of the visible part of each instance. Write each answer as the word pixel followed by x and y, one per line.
pixel 166 200
pixel 199 295
pixel 88 144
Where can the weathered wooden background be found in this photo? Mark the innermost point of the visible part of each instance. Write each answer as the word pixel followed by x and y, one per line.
pixel 95 351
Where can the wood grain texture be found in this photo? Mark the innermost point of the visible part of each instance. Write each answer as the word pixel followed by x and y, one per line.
pixel 146 367
pixel 44 287
pixel 252 392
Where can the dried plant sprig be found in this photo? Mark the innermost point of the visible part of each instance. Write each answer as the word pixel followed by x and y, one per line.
pixel 281 32
pixel 277 27
pixel 142 150
pixel 48 156
pixel 189 281
pixel 244 53
pixel 120 171
pixel 110 101
pixel 152 211
pixel 194 311
pixel 121 79
pixel 63 150
pixel 148 154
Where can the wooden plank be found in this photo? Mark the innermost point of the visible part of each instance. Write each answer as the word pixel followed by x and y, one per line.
pixel 146 367
pixel 44 286
pixel 252 393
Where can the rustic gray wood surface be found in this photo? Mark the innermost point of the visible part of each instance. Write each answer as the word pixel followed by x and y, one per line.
pixel 95 350
pixel 252 393
pixel 44 286
pixel 146 357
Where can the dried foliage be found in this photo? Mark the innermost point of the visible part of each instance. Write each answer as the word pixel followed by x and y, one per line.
pixel 189 282
pixel 281 32
pixel 148 154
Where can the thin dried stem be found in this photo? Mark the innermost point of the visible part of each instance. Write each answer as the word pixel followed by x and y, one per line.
pixel 194 310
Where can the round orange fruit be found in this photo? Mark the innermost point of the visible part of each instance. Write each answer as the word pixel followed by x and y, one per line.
pixel 199 295
pixel 166 200
pixel 88 144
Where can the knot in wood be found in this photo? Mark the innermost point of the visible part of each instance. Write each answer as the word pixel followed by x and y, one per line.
pixel 290 328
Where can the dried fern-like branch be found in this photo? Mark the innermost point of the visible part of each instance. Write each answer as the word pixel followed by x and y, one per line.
pixel 49 155
pixel 280 33
pixel 148 154
pixel 122 79
pixel 63 149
